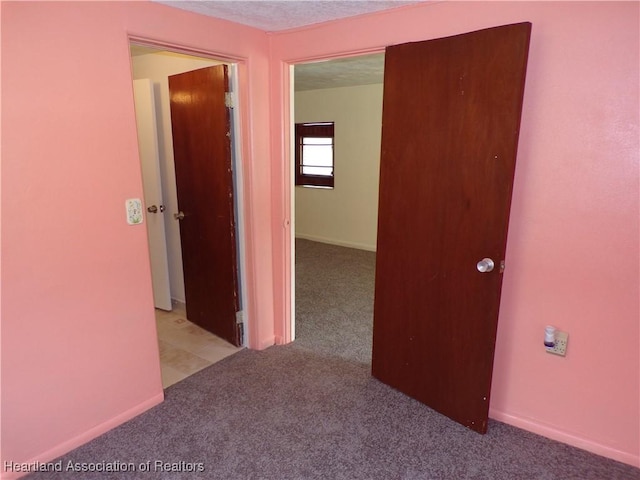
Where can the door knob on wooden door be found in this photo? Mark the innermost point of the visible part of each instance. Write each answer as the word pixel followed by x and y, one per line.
pixel 178 216
pixel 485 265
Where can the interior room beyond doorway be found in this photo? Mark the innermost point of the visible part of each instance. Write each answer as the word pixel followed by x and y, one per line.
pixel 184 347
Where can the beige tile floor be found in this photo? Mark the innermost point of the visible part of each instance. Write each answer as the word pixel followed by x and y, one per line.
pixel 185 348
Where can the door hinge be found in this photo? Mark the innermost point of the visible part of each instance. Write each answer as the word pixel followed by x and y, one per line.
pixel 240 325
pixel 241 333
pixel 229 100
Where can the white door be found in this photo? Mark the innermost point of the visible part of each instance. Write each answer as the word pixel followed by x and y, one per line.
pixel 154 204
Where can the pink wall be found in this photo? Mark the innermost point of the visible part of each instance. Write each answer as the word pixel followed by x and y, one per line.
pixel 573 244
pixel 79 352
pixel 79 347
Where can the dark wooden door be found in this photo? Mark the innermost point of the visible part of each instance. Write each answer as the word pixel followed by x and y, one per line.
pixel 202 151
pixel 451 116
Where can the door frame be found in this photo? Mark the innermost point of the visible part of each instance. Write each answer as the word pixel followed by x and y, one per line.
pixel 289 321
pixel 236 69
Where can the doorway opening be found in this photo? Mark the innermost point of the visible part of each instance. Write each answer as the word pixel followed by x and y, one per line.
pixel 184 346
pixel 447 164
pixel 334 229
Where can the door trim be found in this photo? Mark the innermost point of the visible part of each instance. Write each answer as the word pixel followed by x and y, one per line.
pixel 288 125
pixel 242 171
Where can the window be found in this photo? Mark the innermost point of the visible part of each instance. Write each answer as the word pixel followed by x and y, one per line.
pixel 314 154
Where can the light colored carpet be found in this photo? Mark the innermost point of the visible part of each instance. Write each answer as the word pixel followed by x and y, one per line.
pixel 311 410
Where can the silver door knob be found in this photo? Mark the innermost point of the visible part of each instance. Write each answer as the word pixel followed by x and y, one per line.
pixel 178 216
pixel 152 209
pixel 485 265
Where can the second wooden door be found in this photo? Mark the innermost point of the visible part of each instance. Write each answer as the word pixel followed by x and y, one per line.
pixel 202 151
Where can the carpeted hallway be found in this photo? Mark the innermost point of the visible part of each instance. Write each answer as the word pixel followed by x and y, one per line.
pixel 311 410
pixel 334 300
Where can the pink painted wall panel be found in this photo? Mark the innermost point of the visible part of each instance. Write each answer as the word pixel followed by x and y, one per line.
pixel 572 258
pixel 79 346
pixel 75 280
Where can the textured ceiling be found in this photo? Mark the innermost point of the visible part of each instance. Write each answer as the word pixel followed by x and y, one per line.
pixel 346 72
pixel 280 15
pixel 273 16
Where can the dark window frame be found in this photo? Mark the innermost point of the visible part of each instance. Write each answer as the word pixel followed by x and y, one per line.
pixel 317 130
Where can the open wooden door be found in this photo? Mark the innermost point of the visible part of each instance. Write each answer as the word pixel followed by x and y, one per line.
pixel 451 116
pixel 202 152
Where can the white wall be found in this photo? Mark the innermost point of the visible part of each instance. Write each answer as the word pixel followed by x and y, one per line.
pixel 347 214
pixel 158 67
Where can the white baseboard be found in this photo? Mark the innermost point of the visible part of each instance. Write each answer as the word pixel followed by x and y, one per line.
pixel 565 437
pixel 340 243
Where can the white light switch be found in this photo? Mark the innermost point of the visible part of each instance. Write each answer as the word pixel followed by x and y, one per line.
pixel 134 211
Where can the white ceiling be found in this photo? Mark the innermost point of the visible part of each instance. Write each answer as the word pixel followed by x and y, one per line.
pixel 273 16
pixel 345 72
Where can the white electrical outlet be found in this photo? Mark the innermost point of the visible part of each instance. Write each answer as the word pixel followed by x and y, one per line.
pixel 134 211
pixel 560 346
